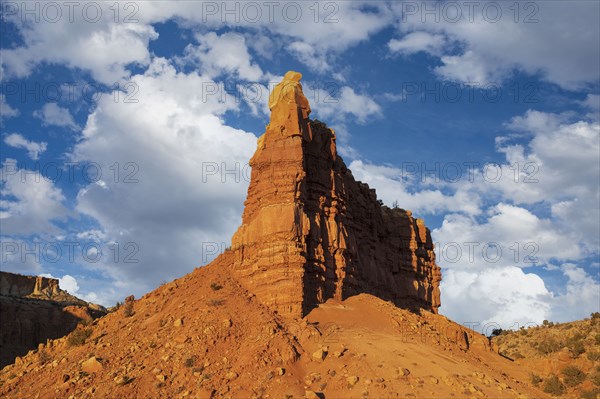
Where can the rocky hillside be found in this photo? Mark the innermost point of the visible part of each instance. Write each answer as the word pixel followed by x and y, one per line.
pixel 35 309
pixel 563 358
pixel 205 336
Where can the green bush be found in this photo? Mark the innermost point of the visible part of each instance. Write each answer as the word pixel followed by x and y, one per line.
pixel 216 286
pixel 536 379
pixel 573 376
pixel 553 386
pixel 548 346
pixel 79 336
pixel 576 348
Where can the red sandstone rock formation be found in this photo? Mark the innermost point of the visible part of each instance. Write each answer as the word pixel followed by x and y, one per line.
pixel 311 232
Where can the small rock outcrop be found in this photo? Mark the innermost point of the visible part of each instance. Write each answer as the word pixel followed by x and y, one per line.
pixel 311 232
pixel 34 309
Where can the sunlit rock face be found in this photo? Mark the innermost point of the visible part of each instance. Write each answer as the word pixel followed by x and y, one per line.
pixel 311 232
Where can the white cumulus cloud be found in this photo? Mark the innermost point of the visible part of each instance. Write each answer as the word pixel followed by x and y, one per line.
pixel 30 202
pixel 33 148
pixel 51 114
pixel 485 44
pixel 183 177
pixel 228 53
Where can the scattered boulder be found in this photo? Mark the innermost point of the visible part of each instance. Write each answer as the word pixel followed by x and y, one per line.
pixel 311 395
pixel 232 375
pixel 319 354
pixel 352 380
pixel 92 365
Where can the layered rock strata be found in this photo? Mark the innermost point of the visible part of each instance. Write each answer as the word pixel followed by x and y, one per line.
pixel 311 232
pixel 34 309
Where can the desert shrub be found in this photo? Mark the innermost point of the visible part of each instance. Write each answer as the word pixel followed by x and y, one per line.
pixel 573 376
pixel 128 309
pixel 117 306
pixel 595 315
pixel 592 394
pixel 79 336
pixel 216 302
pixel 44 357
pixel 517 355
pixel 593 356
pixel 536 379
pixel 578 336
pixel 597 339
pixel 548 346
pixel 553 386
pixel 190 362
pixel 128 306
pixel 595 377
pixel 576 348
pixel 216 286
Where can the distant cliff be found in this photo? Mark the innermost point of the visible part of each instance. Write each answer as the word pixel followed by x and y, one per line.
pixel 34 309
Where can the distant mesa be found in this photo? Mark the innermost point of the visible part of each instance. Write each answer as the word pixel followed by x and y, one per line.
pixel 34 309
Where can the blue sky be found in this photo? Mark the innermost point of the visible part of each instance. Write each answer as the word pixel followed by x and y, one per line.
pixel 482 118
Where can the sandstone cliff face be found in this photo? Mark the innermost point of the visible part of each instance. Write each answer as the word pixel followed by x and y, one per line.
pixel 34 309
pixel 311 232
pixel 23 286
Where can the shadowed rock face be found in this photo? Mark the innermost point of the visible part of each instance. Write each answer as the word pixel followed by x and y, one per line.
pixel 311 232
